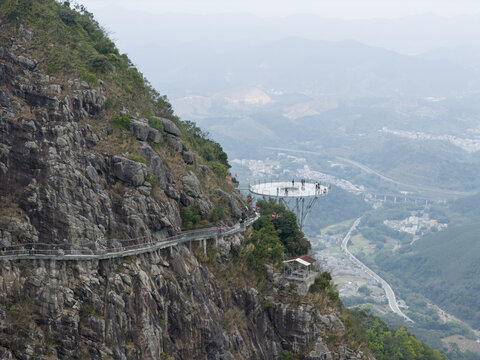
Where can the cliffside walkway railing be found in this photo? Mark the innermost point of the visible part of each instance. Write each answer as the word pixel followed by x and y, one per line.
pixel 129 250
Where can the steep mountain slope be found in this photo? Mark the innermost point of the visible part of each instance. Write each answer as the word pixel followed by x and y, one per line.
pixel 92 158
pixel 444 267
pixel 80 161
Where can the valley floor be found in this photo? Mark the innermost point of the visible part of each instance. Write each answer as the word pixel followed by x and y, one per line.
pixel 357 288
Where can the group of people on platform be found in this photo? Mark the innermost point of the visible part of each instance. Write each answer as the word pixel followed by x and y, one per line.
pixel 318 189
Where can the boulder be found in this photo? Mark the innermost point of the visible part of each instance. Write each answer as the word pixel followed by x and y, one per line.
pixel 4 99
pixel 235 211
pixel 129 171
pixel 154 136
pixel 157 165
pixel 204 206
pixel 188 157
pixel 170 128
pixel 172 193
pixel 191 186
pixel 92 174
pixel 175 143
pixel 320 352
pixel 140 129
pixel 27 63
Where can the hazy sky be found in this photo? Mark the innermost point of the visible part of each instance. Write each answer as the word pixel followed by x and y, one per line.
pixel 344 9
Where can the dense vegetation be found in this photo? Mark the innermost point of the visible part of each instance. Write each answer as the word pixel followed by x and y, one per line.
pixel 468 207
pixel 439 268
pixel 276 234
pixel 323 284
pixel 444 267
pixel 388 344
pixel 373 227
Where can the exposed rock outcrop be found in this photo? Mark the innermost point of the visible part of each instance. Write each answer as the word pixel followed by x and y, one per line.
pixel 129 171
pixel 153 304
pixel 64 188
pixel 224 196
pixel 170 128
pixel 158 166
pixel 142 131
pixel 192 195
pixel 188 157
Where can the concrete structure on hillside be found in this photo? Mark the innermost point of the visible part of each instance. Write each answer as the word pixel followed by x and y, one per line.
pixel 298 270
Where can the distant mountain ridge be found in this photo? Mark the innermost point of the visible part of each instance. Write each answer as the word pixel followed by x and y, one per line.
pixel 313 67
pixel 406 35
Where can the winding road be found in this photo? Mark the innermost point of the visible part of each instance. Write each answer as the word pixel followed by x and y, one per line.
pixel 392 301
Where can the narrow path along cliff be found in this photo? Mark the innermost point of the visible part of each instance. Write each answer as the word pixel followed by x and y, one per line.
pixel 100 254
pixel 392 301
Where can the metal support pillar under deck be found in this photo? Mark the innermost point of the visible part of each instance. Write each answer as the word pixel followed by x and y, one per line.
pixel 300 210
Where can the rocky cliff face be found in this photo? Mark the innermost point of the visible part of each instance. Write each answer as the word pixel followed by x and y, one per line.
pixel 60 188
pixel 67 181
pixel 148 307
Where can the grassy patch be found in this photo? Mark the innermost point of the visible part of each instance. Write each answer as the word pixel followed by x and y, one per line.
pixel 151 178
pixel 267 305
pixel 138 158
pixel 89 77
pixel 70 43
pixel 156 123
pixel 122 122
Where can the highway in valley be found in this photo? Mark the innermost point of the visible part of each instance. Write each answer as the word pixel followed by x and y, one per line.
pixel 392 301
pixel 414 188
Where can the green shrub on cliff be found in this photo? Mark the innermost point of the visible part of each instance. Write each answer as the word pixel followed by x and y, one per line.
pixel 275 235
pixel 267 247
pixel 217 214
pixel 209 149
pixel 156 123
pixel 288 355
pixel 285 224
pixel 321 283
pixel 138 158
pixel 190 217
pixel 122 122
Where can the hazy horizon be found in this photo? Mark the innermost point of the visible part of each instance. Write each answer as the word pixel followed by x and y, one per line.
pixel 342 9
pixel 407 28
